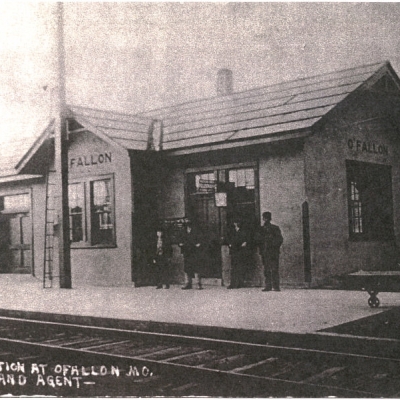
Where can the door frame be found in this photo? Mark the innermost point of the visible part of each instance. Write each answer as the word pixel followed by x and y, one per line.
pixel 216 169
pixel 28 212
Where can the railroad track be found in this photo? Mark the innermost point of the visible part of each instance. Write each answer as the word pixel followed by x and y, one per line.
pixel 120 362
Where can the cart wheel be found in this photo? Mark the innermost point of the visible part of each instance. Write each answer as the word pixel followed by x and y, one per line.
pixel 373 302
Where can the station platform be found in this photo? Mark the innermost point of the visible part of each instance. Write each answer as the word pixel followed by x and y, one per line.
pixel 290 310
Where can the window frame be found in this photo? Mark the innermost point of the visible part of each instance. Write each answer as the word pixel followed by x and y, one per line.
pixel 220 170
pixel 87 213
pixel 18 209
pixel 93 212
pixel 359 175
pixel 84 218
pixel 23 212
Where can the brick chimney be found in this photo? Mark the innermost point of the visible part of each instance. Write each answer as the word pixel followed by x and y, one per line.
pixel 224 82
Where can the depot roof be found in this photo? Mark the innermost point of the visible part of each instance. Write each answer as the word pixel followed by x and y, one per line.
pixel 258 115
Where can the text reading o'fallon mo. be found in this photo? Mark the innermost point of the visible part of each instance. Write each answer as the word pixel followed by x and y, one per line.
pixel 19 374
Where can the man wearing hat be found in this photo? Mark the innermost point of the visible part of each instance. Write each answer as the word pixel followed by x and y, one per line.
pixel 191 249
pixel 162 253
pixel 270 240
pixel 240 251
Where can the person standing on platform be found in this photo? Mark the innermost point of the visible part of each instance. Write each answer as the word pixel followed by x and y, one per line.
pixel 240 255
pixel 191 247
pixel 162 253
pixel 270 240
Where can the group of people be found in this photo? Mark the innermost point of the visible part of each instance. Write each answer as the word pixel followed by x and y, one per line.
pixel 190 245
pixel 268 238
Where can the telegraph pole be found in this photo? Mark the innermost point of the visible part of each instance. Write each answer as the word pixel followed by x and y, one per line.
pixel 61 158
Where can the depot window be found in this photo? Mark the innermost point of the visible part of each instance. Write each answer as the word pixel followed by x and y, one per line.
pixel 76 207
pixel 91 211
pixel 370 201
pixel 18 202
pixel 237 181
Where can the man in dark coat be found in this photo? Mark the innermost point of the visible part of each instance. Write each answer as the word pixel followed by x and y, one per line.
pixel 239 246
pixel 191 247
pixel 270 240
pixel 161 255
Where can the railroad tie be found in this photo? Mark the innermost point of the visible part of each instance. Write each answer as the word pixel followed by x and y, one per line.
pixel 79 341
pixel 148 379
pixel 230 361
pixel 197 353
pixel 160 352
pixel 187 386
pixel 106 345
pixel 322 375
pixel 73 339
pixel 250 366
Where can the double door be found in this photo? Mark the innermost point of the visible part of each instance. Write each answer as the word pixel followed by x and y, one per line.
pixel 215 198
pixel 15 234
pixel 15 243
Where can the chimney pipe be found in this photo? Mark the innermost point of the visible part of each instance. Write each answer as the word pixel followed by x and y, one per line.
pixel 224 82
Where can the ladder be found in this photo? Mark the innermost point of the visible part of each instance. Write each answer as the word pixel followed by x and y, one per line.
pixel 50 215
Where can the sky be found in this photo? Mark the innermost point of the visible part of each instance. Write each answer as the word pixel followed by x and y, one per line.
pixel 132 57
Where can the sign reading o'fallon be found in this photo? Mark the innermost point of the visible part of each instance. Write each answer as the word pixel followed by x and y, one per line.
pixel 90 160
pixel 361 146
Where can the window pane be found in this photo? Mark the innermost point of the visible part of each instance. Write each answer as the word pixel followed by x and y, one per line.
pixel 102 219
pixel 17 202
pixel 205 182
pixel 233 176
pixel 75 196
pixel 101 193
pixel 27 258
pixel 76 204
pixel 76 231
pixel 356 209
pixel 241 196
pixel 242 177
pixel 26 230
pixel 15 231
pixel 249 178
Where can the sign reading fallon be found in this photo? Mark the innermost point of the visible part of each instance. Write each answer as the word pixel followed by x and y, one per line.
pixel 367 147
pixel 89 160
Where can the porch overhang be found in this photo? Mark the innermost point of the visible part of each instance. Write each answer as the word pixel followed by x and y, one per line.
pixel 242 143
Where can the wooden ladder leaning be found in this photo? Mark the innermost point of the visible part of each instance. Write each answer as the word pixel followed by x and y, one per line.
pixel 50 215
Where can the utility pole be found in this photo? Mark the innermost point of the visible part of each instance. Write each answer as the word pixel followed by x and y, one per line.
pixel 61 158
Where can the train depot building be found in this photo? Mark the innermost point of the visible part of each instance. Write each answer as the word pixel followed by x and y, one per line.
pixel 322 154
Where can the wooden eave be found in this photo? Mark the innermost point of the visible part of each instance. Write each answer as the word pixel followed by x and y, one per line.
pixel 285 136
pixel 96 131
pixel 47 133
pixel 386 69
pixel 126 130
pixel 19 178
